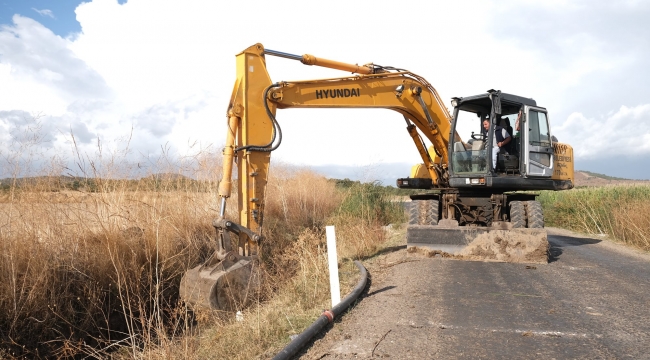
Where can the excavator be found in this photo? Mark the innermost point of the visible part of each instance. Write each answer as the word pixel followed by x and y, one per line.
pixel 468 190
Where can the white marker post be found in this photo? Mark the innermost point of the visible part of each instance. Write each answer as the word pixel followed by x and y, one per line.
pixel 333 262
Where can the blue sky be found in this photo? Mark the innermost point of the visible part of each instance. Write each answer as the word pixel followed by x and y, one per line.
pixel 148 77
pixel 57 15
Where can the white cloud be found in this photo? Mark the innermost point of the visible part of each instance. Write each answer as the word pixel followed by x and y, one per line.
pixel 40 73
pixel 623 133
pixel 164 69
pixel 44 12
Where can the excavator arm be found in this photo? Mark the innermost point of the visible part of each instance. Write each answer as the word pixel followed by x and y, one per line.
pixel 254 132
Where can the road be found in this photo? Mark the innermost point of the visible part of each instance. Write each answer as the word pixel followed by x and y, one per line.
pixel 592 301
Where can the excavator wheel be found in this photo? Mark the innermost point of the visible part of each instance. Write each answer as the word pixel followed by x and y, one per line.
pixel 517 214
pixel 414 210
pixel 424 212
pixel 430 212
pixel 534 214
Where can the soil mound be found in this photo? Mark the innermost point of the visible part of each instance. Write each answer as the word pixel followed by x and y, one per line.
pixel 516 245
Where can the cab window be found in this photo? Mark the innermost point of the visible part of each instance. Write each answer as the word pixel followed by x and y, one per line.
pixel 538 134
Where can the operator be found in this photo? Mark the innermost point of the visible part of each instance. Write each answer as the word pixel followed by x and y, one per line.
pixel 501 138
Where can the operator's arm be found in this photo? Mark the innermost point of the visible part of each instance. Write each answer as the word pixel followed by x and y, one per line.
pixel 506 140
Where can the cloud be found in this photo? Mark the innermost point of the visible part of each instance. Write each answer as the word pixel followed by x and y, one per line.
pixel 152 73
pixel 44 12
pixel 594 55
pixel 23 129
pixel 37 62
pixel 623 133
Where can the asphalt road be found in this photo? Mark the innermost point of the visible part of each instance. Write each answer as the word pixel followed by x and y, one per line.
pixel 591 302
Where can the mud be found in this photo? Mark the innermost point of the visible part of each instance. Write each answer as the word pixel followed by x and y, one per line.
pixel 515 246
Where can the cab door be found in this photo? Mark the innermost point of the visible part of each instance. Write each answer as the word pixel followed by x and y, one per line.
pixel 537 150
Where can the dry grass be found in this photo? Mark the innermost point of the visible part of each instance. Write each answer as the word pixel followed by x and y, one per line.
pixel 90 265
pixel 81 270
pixel 97 273
pixel 622 212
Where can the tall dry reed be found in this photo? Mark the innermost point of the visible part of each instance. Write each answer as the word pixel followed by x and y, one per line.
pixel 92 253
pixel 296 283
pixel 91 261
pixel 622 212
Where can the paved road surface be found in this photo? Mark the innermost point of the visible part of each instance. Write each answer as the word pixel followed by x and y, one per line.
pixel 591 302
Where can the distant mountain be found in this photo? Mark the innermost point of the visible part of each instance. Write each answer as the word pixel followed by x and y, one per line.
pixel 168 176
pixel 387 173
pixel 602 176
pixel 32 180
pixel 588 178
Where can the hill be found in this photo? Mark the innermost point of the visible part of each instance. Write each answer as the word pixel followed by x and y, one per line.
pixel 588 178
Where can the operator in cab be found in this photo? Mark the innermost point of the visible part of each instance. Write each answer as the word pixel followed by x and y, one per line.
pixel 500 140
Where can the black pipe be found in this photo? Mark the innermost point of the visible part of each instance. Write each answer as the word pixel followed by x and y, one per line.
pixel 328 316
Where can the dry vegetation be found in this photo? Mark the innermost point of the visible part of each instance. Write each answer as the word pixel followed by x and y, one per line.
pixel 90 266
pixel 95 272
pixel 622 212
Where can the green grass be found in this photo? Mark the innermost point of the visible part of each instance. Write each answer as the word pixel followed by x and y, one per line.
pixel 371 202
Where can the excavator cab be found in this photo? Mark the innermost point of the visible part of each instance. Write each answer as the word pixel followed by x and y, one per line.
pixel 527 155
pixel 485 186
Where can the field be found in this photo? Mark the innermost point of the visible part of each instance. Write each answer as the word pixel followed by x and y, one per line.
pixel 95 271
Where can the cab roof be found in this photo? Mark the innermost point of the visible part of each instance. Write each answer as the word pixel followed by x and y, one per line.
pixel 510 103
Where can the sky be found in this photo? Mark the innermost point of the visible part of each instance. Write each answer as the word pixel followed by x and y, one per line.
pixel 143 79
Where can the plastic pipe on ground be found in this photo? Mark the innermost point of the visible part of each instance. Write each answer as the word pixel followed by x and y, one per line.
pixel 327 317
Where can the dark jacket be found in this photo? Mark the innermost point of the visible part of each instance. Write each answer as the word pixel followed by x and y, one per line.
pixel 499 133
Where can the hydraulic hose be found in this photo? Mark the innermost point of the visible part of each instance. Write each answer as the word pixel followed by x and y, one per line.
pixel 327 317
pixel 277 131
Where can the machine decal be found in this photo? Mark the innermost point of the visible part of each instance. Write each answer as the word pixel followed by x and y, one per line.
pixel 336 93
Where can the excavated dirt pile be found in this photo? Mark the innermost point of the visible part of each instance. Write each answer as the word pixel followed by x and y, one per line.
pixel 516 245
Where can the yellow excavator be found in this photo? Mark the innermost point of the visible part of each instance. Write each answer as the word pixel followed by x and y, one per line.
pixel 473 189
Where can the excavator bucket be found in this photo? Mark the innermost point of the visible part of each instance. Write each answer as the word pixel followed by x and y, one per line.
pixel 225 282
pixel 220 287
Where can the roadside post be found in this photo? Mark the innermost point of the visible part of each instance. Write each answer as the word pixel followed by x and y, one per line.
pixel 332 259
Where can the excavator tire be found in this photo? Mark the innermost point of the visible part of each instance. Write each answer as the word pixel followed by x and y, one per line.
pixel 414 211
pixel 427 212
pixel 432 208
pixel 517 214
pixel 534 214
